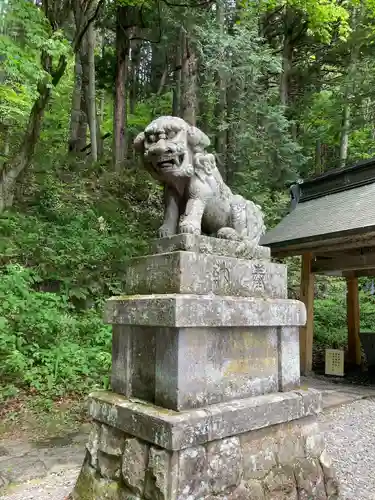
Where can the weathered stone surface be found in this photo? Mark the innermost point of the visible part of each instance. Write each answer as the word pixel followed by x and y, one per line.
pixel 203 310
pixel 174 431
pixel 128 495
pixel 207 245
pixel 254 489
pixel 85 486
pixel 330 479
pixel 109 466
pixel 193 473
pixel 224 464
pixel 133 361
pixel 158 475
pixel 107 490
pixel 134 462
pixel 197 367
pixel 196 197
pixel 259 453
pixel 280 484
pixel 314 444
pixel 289 358
pixel 290 447
pixel 279 444
pixel 90 486
pixel 312 401
pixel 93 443
pixel 309 478
pixel 272 463
pixel 194 273
pixel 245 491
pixel 111 440
pixel 3 482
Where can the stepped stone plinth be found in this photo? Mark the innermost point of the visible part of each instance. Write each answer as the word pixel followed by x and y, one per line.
pixel 203 328
pixel 205 400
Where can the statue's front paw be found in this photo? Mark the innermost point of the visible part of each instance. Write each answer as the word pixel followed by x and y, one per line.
pixel 165 231
pixel 189 228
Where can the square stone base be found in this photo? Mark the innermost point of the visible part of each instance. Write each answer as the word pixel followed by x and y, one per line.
pixel 182 368
pixel 264 448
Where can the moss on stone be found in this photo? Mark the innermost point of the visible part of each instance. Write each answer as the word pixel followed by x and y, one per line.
pixel 84 488
pixel 90 486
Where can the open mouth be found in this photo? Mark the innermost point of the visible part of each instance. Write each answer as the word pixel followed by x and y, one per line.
pixel 171 162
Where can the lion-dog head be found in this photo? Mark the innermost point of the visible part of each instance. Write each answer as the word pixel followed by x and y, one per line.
pixel 173 148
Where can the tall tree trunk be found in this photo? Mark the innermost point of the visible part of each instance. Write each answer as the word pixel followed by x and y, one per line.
pixel 102 93
pixel 6 147
pixel 120 102
pixel 11 170
pixel 135 61
pixel 158 59
pixel 287 57
pixel 189 101
pixel 176 104
pixel 75 113
pixel 163 79
pixel 88 66
pixel 318 157
pixel 221 105
pixel 82 126
pixel 357 16
pixel 345 130
pixel 205 111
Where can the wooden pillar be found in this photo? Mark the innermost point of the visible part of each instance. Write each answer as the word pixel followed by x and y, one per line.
pixel 306 332
pixel 352 307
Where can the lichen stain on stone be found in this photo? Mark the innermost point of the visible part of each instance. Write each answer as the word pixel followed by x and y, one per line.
pixel 106 412
pixel 237 366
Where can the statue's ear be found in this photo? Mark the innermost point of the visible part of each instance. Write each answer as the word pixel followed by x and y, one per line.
pixel 204 164
pixel 139 143
pixel 197 139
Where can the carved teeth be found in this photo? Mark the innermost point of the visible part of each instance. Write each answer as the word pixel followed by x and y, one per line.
pixel 170 162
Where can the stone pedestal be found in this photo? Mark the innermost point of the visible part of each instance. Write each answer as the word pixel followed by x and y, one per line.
pixel 205 378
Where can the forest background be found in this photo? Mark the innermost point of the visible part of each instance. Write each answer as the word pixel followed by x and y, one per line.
pixel 285 89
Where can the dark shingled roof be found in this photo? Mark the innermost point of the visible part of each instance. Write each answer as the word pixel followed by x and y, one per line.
pixel 333 213
pixel 337 204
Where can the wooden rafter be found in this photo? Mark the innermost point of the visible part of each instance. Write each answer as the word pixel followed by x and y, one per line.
pixel 344 263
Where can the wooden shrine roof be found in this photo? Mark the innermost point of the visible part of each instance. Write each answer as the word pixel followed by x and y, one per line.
pixel 335 210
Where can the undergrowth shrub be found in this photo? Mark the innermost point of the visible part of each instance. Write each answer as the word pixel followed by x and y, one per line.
pixel 63 251
pixel 44 344
pixel 330 319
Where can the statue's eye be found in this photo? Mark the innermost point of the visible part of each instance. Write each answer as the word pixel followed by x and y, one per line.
pixel 151 138
pixel 171 134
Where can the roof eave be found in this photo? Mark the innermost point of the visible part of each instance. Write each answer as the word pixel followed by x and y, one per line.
pixel 352 238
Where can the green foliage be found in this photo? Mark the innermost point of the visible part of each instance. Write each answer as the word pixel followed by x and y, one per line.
pixel 330 323
pixel 26 36
pixel 78 231
pixel 322 15
pixel 61 260
pixel 262 148
pixel 44 345
pixel 74 224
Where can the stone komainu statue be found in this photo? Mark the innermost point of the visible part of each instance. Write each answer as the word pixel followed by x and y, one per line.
pixel 197 200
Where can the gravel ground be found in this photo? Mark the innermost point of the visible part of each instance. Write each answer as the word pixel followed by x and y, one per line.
pixel 350 439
